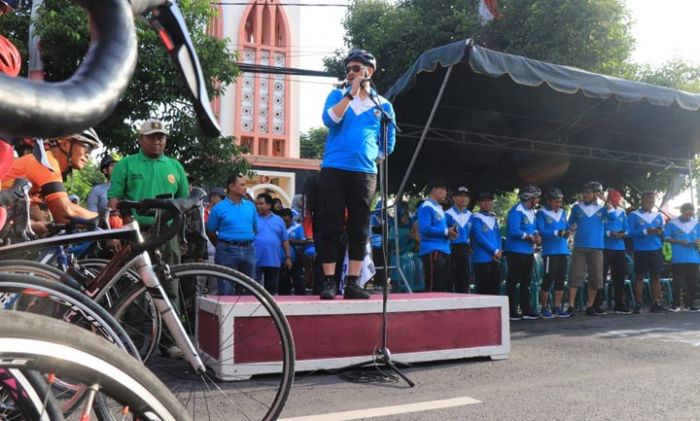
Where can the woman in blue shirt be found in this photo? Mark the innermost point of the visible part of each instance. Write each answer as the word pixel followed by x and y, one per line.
pixel 554 229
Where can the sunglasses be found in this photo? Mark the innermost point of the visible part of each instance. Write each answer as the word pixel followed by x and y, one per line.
pixel 88 147
pixel 355 68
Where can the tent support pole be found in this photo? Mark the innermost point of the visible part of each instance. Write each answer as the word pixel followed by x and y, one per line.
pixel 425 133
pixel 399 194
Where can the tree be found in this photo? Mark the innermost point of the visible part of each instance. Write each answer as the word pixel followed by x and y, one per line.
pixel 594 35
pixel 81 182
pixel 156 89
pixel 313 142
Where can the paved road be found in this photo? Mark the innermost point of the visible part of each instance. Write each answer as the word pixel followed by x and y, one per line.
pixel 636 367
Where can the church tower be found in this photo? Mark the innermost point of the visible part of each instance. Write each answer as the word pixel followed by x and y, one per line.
pixel 261 110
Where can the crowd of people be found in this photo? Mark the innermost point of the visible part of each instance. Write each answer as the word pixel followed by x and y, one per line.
pixel 578 250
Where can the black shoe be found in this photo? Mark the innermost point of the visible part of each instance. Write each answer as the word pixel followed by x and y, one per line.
pixel 353 291
pixel 692 309
pixel 674 308
pixel 658 308
pixel 637 308
pixel 621 309
pixel 590 311
pixel 599 311
pixel 329 290
pixel 531 315
pixel 515 315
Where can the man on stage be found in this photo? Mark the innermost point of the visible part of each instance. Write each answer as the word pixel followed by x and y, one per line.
pixel 348 175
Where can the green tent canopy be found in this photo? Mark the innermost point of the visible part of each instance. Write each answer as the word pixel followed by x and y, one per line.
pixel 501 120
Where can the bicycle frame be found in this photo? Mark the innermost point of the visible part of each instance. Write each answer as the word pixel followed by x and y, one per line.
pixel 122 261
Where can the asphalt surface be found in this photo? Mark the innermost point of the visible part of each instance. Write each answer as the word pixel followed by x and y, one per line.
pixel 616 367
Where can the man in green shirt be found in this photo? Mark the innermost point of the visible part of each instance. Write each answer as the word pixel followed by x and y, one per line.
pixel 149 174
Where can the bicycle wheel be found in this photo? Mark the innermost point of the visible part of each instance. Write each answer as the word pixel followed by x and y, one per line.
pixel 33 343
pixel 85 271
pixel 49 298
pixel 259 399
pixel 24 396
pixel 30 267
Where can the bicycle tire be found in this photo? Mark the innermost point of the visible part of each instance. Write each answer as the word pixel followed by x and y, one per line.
pixel 23 396
pixel 187 273
pixel 37 343
pixel 59 300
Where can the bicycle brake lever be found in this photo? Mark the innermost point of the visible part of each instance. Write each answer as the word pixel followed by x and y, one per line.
pixel 168 22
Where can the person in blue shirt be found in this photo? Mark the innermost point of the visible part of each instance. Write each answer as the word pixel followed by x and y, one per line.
pixel 435 237
pixel 553 227
pixel 684 235
pixel 486 247
pixel 355 143
pixel 587 221
pixel 459 216
pixel 647 231
pixel 293 277
pixel 271 236
pixel 231 227
pixel 615 254
pixel 97 200
pixel 521 238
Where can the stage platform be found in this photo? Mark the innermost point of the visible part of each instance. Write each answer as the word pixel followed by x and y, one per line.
pixel 331 334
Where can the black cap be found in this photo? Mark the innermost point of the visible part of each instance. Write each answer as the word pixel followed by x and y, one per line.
pixel 484 195
pixel 687 207
pixel 436 182
pixel 108 159
pixel 461 191
pixel 218 191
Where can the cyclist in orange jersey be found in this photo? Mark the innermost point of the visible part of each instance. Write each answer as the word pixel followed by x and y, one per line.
pixel 66 153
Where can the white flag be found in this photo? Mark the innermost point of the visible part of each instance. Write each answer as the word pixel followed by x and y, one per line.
pixel 36 66
pixel 488 11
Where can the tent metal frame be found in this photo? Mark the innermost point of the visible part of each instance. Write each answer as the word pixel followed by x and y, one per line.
pixel 539 146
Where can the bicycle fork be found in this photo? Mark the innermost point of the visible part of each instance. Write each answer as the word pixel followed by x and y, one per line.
pixel 167 312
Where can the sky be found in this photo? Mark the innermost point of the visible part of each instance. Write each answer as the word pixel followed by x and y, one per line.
pixel 663 30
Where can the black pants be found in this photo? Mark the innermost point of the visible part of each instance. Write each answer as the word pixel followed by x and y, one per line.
pixel 461 267
pixel 341 190
pixel 488 278
pixel 685 275
pixel 554 272
pixel 268 277
pixel 614 261
pixel 379 264
pixel 519 272
pixel 437 270
pixel 292 278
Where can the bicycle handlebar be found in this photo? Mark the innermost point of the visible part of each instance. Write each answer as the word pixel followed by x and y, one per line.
pixel 45 109
pixel 174 209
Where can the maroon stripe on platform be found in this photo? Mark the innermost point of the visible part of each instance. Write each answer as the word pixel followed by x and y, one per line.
pixel 350 335
pixel 208 333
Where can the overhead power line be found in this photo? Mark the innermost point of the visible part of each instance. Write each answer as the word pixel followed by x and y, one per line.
pixel 260 68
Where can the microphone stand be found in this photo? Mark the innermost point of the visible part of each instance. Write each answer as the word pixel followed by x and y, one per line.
pixel 382 356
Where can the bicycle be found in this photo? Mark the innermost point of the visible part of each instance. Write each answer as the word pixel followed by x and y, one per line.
pixel 31 344
pixel 94 90
pixel 145 306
